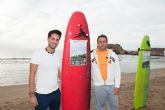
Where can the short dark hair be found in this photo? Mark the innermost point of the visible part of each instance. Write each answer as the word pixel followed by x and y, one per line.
pixel 54 32
pixel 102 35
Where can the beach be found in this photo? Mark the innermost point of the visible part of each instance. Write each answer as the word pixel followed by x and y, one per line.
pixel 16 97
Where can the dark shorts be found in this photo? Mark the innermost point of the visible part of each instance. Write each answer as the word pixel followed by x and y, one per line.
pixel 51 101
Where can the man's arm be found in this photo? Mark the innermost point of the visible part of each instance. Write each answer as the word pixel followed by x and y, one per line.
pixel 117 76
pixel 59 74
pixel 33 69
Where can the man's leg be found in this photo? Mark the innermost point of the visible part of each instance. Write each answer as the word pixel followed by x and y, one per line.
pixel 43 101
pixel 55 100
pixel 112 99
pixel 100 97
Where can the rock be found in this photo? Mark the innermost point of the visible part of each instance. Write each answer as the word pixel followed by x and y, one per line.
pixel 157 51
pixel 117 48
pixel 133 52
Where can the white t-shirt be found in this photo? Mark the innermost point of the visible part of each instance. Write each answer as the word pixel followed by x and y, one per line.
pixel 47 71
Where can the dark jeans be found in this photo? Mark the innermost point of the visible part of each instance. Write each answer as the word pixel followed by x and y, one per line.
pixel 51 101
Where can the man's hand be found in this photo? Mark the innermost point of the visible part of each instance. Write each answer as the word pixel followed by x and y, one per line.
pixel 116 91
pixel 33 101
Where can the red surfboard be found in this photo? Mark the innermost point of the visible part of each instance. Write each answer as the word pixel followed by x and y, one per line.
pixel 76 76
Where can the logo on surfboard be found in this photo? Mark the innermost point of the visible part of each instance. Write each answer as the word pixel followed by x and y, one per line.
pixel 82 33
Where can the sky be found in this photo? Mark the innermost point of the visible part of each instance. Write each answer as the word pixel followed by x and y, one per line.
pixel 24 24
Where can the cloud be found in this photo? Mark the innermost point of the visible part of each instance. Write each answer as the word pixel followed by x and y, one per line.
pixel 25 23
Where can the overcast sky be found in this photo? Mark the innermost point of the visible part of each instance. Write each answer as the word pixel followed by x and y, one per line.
pixel 24 24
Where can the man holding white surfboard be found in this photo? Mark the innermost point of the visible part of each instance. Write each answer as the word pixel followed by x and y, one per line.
pixel 106 75
pixel 44 71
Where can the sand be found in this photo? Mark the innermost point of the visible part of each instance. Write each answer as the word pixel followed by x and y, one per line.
pixel 16 97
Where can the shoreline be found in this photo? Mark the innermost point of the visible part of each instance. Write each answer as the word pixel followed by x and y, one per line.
pixel 15 97
pixel 123 74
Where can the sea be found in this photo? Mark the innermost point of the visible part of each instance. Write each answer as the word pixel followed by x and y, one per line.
pixel 15 71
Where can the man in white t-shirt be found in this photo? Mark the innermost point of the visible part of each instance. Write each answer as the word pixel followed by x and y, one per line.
pixel 44 73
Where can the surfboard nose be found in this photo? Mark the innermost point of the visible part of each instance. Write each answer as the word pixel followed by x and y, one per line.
pixel 77 26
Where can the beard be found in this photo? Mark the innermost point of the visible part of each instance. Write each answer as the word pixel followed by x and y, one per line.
pixel 103 47
pixel 52 46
